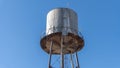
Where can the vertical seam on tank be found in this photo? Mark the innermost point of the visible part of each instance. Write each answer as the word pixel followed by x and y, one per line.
pixel 62 18
pixel 68 22
pixel 53 27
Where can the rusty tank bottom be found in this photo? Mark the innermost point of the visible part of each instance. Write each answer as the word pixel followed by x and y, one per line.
pixel 71 43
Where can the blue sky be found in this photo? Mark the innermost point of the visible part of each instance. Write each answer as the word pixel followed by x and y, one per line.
pixel 23 21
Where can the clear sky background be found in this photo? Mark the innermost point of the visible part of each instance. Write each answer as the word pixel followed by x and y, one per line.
pixel 23 21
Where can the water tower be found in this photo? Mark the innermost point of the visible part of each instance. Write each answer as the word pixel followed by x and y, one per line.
pixel 62 37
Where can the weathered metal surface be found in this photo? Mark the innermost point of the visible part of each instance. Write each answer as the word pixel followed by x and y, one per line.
pixel 71 43
pixel 62 23
pixel 62 20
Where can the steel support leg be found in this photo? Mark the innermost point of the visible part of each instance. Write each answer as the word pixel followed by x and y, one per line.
pixel 62 55
pixel 50 55
pixel 72 63
pixel 77 61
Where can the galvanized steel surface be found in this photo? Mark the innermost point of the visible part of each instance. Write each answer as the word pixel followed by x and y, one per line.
pixel 62 20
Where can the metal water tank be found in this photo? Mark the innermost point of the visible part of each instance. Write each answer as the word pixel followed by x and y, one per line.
pixel 62 32
pixel 62 20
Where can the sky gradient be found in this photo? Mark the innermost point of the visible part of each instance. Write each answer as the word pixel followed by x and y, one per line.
pixel 22 22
